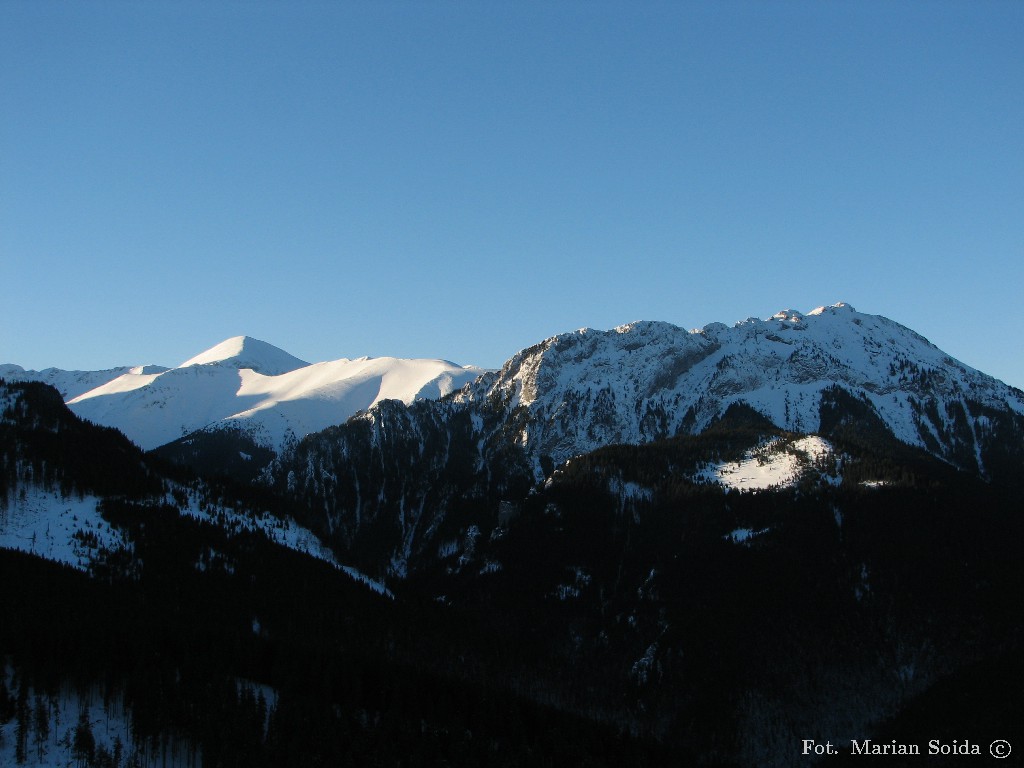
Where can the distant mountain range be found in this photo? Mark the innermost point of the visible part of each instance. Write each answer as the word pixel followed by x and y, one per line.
pixel 575 392
pixel 245 384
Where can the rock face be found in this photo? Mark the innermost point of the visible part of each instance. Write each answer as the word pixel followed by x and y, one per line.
pixel 576 392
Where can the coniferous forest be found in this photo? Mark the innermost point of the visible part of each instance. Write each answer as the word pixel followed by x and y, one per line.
pixel 575 624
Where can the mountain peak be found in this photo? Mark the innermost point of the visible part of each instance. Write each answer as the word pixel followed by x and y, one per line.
pixel 247 352
pixel 788 315
pixel 648 381
pixel 839 306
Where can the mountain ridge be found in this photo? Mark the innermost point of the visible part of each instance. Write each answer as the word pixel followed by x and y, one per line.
pixel 392 484
pixel 244 384
pixel 643 381
pixel 574 392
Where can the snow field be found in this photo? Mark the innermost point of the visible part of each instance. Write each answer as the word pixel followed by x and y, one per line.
pixel 775 463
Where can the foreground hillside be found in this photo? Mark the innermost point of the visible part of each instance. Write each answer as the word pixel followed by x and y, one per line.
pixel 191 630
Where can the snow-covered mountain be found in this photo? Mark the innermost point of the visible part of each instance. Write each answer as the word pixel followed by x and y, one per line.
pixel 243 352
pixel 71 384
pixel 576 392
pixel 246 384
pixel 579 391
pixel 848 380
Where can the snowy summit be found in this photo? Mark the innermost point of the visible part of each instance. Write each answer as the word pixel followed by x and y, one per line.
pixel 247 384
pixel 246 352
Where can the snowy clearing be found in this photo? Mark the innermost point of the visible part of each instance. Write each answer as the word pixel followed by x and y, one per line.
pixel 775 463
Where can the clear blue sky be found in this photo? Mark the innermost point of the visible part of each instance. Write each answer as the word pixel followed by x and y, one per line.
pixel 464 179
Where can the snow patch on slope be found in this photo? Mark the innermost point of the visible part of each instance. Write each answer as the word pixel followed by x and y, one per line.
pixel 109 722
pixel 744 535
pixel 72 531
pixel 775 463
pixel 64 529
pixel 284 532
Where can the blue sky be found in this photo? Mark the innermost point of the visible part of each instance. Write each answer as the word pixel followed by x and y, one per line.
pixel 464 179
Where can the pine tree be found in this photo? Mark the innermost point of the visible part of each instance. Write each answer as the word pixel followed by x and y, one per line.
pixel 22 728
pixel 84 745
pixel 6 702
pixel 42 727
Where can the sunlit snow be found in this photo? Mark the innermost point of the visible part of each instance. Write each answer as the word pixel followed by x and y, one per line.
pixel 774 463
pixel 252 385
pixel 648 380
pixel 66 529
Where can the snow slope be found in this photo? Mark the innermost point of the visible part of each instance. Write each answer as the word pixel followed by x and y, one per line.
pixel 775 464
pixel 110 724
pixel 71 384
pixel 247 383
pixel 66 529
pixel 70 529
pixel 246 352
